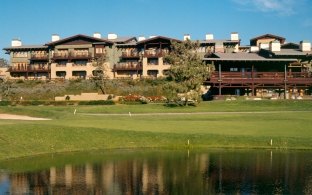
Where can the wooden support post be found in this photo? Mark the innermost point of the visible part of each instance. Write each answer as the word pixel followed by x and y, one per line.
pixel 253 83
pixel 285 81
pixel 220 80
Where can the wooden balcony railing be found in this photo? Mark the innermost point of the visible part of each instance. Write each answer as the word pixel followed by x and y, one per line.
pixel 261 77
pixel 30 69
pixel 130 55
pixel 98 55
pixel 153 54
pixel 72 56
pixel 60 56
pixel 128 66
pixel 39 57
pixel 80 55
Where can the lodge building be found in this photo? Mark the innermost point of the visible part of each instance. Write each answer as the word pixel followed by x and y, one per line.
pixel 268 63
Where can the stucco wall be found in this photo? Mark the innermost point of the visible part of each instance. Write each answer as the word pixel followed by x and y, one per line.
pixel 82 97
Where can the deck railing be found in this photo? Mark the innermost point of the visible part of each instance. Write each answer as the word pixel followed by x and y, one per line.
pixel 130 55
pixel 39 57
pixel 128 66
pixel 71 55
pixel 259 75
pixel 30 69
pixel 153 53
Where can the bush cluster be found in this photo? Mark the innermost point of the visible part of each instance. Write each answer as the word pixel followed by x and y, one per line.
pixel 98 102
pixel 47 90
pixel 55 103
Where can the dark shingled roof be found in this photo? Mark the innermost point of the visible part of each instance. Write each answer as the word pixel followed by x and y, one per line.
pixel 158 37
pixel 268 35
pixel 290 52
pixel 78 36
pixel 26 47
pixel 243 57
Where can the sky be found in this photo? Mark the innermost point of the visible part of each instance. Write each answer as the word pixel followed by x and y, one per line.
pixel 34 21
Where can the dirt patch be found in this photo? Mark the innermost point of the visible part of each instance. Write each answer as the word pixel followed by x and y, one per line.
pixel 21 117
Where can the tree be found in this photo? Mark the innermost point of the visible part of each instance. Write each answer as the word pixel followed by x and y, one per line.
pixel 101 70
pixel 3 62
pixel 187 72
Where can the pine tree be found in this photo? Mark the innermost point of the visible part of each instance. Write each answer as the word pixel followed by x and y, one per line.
pixel 187 72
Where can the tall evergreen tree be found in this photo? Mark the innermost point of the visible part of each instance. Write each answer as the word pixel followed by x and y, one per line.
pixel 101 76
pixel 187 72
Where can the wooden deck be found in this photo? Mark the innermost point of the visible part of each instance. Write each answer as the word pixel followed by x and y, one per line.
pixel 254 80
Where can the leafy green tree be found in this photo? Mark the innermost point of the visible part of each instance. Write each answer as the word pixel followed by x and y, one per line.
pixel 187 72
pixel 100 74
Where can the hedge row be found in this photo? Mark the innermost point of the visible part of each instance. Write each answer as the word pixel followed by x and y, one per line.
pixel 55 103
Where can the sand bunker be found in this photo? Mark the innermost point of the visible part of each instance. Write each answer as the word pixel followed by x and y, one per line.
pixel 21 117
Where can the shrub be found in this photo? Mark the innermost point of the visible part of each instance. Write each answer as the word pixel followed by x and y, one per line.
pixel 98 102
pixel 5 103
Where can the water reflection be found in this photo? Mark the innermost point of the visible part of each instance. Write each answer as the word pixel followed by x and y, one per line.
pixel 169 172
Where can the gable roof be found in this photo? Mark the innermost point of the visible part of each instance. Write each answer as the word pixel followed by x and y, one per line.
pixel 25 47
pixel 77 37
pixel 268 36
pixel 244 57
pixel 157 37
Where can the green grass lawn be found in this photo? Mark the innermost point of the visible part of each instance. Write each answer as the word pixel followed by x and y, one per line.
pixel 287 123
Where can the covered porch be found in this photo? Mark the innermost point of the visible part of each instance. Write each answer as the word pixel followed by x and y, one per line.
pixel 246 74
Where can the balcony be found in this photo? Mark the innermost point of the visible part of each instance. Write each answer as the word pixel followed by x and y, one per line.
pixel 60 56
pixel 30 68
pixel 128 66
pixel 153 54
pixel 130 55
pixel 39 57
pixel 80 55
pixel 98 55
pixel 72 56
pixel 265 78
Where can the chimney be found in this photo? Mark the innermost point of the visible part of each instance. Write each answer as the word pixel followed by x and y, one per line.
pixel 234 36
pixel 275 46
pixel 187 36
pixel 97 35
pixel 253 49
pixel 152 36
pixel 55 37
pixel 141 38
pixel 111 36
pixel 209 37
pixel 16 43
pixel 305 46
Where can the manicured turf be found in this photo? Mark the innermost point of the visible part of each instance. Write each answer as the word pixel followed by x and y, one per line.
pixel 287 123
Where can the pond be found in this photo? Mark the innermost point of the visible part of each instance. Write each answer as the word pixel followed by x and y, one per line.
pixel 161 172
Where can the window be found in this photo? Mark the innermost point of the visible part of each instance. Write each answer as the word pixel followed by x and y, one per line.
pixel 60 73
pixel 152 61
pixel 81 62
pixel 152 73
pixel 79 74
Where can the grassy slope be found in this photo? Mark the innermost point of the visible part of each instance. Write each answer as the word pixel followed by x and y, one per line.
pixel 69 132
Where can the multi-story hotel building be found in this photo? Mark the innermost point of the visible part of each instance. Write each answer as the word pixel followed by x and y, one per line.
pixel 73 57
pixel 269 61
